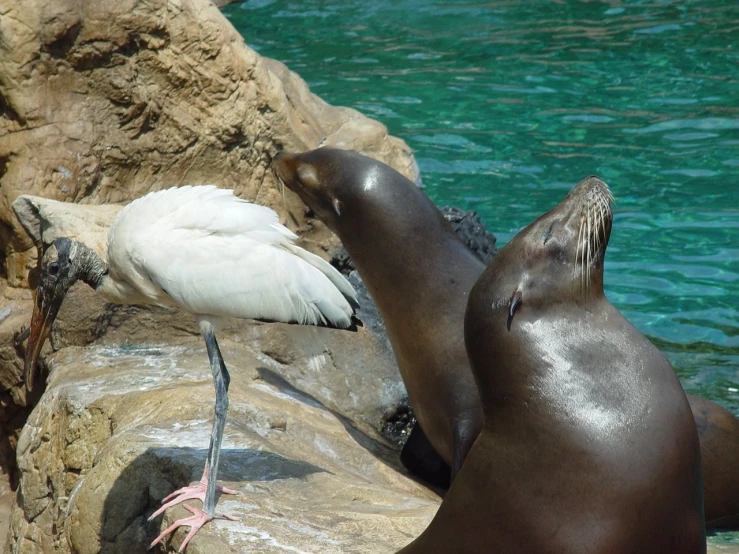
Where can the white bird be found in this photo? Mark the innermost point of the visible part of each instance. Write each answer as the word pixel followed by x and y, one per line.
pixel 214 255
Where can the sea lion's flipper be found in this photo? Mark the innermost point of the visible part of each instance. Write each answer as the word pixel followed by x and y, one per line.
pixel 420 458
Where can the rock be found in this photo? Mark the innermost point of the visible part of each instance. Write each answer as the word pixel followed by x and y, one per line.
pixel 6 501
pixel 46 220
pixel 15 314
pixel 119 427
pixel 471 231
pixel 103 102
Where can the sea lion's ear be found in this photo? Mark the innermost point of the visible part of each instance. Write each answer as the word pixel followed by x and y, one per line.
pixel 513 304
pixel 337 206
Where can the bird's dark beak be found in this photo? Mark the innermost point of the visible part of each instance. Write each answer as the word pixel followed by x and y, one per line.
pixel 48 302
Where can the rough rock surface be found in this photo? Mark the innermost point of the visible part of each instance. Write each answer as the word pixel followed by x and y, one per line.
pixel 471 230
pixel 15 313
pixel 121 426
pixel 6 502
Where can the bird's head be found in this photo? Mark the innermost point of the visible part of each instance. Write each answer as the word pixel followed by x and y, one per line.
pixel 61 267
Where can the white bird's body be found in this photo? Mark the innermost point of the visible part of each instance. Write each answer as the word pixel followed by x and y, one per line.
pixel 213 254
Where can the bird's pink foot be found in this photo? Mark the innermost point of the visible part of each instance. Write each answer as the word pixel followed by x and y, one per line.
pixel 190 492
pixel 195 522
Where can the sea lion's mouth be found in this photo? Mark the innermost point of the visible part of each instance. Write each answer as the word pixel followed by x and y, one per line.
pixel 596 219
pixel 284 175
pixel 302 177
pixel 276 172
pixel 293 172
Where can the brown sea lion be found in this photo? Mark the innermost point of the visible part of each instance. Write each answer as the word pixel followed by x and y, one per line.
pixel 589 444
pixel 401 244
pixel 718 432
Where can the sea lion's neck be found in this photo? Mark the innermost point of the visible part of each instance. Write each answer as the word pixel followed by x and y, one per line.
pixel 562 352
pixel 413 234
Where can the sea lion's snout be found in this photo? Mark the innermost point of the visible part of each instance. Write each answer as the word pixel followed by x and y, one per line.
pixel 294 172
pixel 301 173
pixel 282 168
pixel 593 223
pixel 563 248
pixel 594 190
pixel 596 213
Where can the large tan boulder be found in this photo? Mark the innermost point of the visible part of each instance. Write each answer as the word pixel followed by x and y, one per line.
pixel 120 426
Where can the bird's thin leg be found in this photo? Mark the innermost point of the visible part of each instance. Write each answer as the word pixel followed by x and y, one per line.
pixel 221 380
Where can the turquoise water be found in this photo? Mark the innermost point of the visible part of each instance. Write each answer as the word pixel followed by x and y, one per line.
pixel 508 104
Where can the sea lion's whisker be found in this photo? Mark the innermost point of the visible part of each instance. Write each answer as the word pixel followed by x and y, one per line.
pixel 603 211
pixel 282 192
pixel 580 253
pixel 590 243
pixel 577 250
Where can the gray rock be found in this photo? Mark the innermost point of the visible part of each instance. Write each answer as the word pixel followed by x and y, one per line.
pixel 471 230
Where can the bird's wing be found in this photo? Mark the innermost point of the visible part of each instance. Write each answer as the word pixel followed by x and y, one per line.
pixel 242 277
pixel 206 208
pixel 333 274
pixel 214 254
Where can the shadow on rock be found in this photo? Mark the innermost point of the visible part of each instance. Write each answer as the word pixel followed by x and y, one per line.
pixel 383 452
pixel 149 477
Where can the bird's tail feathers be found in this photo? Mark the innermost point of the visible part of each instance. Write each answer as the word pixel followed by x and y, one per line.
pixel 333 274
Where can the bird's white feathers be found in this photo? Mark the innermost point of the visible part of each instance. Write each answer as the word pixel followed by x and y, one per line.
pixel 214 254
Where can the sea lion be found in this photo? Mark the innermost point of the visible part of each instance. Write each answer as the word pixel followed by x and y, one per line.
pixel 400 244
pixel 588 444
pixel 718 432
